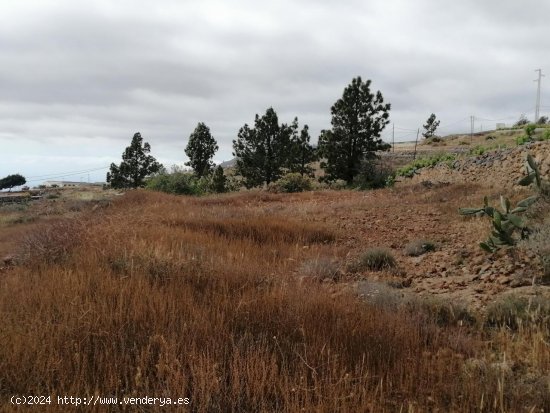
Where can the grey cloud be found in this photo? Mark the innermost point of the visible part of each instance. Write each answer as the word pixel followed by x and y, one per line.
pixel 73 73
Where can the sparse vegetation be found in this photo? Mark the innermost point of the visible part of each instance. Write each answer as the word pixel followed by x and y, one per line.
pixel 216 298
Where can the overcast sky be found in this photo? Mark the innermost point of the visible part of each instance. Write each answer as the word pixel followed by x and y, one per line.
pixel 79 78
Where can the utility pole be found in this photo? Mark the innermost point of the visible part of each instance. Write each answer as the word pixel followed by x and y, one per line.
pixel 415 143
pixel 393 136
pixel 537 106
pixel 472 120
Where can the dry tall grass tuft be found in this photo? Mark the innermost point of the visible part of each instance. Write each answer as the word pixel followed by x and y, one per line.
pixel 158 298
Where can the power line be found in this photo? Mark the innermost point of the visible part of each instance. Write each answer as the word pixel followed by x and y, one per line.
pixel 68 172
pixel 65 175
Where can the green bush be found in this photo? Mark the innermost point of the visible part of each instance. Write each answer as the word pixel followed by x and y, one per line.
pixel 412 168
pixel 477 150
pixel 375 259
pixel 177 182
pixel 522 140
pixel 291 182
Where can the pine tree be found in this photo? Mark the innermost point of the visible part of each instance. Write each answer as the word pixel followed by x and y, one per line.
pixel 219 180
pixel 358 118
pixel 200 150
pixel 136 165
pixel 262 151
pixel 430 127
pixel 302 154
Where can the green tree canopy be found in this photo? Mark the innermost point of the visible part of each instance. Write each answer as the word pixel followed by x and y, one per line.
pixel 201 149
pixel 358 118
pixel 11 181
pixel 136 165
pixel 262 151
pixel 431 126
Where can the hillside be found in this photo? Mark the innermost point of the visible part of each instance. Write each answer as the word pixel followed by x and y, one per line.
pixel 264 302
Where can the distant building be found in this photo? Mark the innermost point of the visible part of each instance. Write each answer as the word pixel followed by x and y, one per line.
pixel 62 184
pixel 501 126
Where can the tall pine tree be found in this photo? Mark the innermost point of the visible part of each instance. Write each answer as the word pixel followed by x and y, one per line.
pixel 358 118
pixel 201 149
pixel 136 165
pixel 262 151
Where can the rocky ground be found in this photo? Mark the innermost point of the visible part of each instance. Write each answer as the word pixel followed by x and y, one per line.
pixel 458 269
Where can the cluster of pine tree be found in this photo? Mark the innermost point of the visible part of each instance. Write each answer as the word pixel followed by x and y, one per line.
pixel 267 150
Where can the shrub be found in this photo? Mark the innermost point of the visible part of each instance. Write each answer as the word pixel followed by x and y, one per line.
pixel 419 247
pixel 522 140
pixel 291 182
pixel 50 243
pixel 375 259
pixel 432 140
pixel 338 184
pixel 177 182
pixel 477 150
pixel 545 136
pixel 373 174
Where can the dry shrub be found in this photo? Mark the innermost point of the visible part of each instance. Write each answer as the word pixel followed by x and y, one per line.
pixel 374 259
pixel 50 242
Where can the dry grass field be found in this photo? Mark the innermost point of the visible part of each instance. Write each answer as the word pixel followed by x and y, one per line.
pixel 250 302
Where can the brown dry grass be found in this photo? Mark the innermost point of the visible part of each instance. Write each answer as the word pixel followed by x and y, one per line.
pixel 164 296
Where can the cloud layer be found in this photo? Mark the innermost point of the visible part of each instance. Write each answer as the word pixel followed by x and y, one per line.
pixel 79 78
